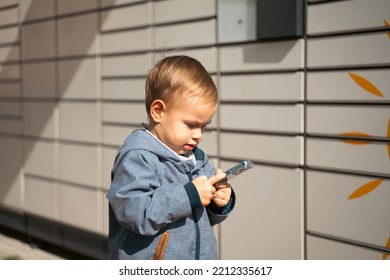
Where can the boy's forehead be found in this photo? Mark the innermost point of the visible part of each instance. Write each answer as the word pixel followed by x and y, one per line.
pixel 194 107
pixel 194 100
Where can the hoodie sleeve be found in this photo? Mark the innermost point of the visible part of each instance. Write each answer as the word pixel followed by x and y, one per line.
pixel 219 214
pixel 139 201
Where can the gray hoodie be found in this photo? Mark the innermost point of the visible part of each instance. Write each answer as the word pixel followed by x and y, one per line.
pixel 151 192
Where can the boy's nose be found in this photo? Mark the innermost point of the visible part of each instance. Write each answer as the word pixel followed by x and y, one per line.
pixel 197 134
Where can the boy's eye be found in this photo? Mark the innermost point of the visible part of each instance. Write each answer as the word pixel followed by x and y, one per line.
pixel 194 126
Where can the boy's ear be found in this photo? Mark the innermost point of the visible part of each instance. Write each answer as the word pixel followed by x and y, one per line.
pixel 156 110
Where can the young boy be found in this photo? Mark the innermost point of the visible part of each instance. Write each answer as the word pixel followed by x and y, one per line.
pixel 165 196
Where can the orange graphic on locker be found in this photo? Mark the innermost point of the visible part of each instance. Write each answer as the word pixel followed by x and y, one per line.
pixel 365 189
pixel 387 25
pixel 362 138
pixel 365 84
pixel 370 186
pixel 355 134
pixel 386 255
pixel 364 135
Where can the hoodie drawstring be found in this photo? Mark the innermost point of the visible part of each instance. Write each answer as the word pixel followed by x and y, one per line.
pixel 195 218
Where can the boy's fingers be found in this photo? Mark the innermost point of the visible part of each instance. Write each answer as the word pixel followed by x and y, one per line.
pixel 203 177
pixel 216 178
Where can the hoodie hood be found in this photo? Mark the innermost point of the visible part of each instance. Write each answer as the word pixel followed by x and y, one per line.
pixel 141 139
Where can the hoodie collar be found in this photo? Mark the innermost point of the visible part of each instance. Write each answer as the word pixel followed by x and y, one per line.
pixel 141 139
pixel 190 155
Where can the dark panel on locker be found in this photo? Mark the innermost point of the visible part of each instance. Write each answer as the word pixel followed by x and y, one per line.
pixel 280 19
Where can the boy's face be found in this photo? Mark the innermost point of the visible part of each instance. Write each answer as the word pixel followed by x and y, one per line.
pixel 181 127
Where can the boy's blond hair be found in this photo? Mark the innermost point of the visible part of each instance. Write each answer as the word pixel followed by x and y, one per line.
pixel 177 76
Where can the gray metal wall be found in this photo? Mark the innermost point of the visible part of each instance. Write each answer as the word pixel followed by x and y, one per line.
pixel 312 113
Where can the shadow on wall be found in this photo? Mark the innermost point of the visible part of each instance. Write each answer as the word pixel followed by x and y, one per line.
pixel 45 56
pixel 253 53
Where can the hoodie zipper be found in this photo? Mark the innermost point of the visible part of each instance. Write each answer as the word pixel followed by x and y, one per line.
pixel 197 229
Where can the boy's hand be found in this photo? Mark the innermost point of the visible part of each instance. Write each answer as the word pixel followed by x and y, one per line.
pixel 205 187
pixel 223 191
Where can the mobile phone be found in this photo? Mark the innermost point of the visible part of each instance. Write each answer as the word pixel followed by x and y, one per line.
pixel 238 169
